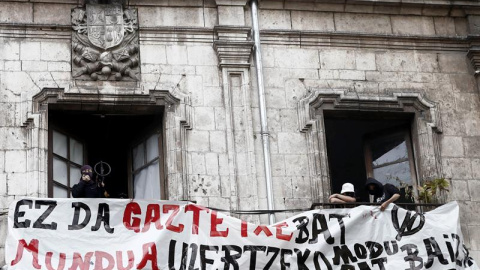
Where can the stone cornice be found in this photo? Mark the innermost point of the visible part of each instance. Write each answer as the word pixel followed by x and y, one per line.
pixel 226 36
pixel 231 2
pixel 176 34
pixel 433 3
pixel 147 34
pixel 41 31
pixel 454 8
pixel 364 40
pixel 459 3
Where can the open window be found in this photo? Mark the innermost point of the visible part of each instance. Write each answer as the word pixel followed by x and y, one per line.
pixel 129 139
pixel 370 144
pixel 389 159
pixel 146 169
pixel 67 156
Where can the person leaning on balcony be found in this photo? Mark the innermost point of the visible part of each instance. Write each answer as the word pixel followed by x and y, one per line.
pixel 384 194
pixel 87 187
pixel 347 195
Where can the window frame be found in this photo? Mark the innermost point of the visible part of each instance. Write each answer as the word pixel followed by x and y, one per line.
pixel 156 129
pixel 52 155
pixel 384 135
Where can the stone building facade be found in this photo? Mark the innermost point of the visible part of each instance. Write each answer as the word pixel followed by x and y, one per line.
pixel 339 77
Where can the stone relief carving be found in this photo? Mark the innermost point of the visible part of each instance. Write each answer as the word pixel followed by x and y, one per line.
pixel 105 43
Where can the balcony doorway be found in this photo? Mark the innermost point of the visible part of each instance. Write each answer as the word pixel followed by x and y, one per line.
pixel 129 140
pixel 370 144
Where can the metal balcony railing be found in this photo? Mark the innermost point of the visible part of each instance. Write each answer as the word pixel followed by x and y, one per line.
pixel 418 207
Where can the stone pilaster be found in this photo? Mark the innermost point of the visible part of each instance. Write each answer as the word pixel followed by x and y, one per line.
pixel 233 45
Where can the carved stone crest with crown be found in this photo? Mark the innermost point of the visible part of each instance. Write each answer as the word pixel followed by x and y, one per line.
pixel 105 43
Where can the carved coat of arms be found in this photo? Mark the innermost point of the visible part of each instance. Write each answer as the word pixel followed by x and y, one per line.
pixel 105 43
pixel 105 25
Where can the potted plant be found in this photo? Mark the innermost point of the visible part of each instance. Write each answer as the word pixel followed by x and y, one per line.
pixel 433 191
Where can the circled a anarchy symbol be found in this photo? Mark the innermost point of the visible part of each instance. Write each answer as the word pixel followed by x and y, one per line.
pixel 102 172
pixel 407 224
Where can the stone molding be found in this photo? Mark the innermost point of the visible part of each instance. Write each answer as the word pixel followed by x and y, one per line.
pixel 474 53
pixel 35 31
pixel 446 3
pixel 341 99
pixel 231 2
pixel 156 35
pixel 474 57
pixel 428 126
pixel 363 40
pixel 433 3
pixel 233 46
pixel 154 97
pixel 177 114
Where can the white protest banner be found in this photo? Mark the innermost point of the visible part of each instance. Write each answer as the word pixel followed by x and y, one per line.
pixel 105 234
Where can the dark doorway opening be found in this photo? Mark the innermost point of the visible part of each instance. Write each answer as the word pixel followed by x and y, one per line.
pixel 350 138
pixel 104 136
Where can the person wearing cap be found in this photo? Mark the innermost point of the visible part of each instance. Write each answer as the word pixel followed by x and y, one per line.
pixel 87 187
pixel 347 195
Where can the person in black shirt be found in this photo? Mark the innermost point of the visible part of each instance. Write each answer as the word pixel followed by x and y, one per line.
pixel 384 194
pixel 87 187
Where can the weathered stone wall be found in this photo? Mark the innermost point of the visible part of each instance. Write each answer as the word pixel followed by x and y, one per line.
pixel 365 67
pixel 370 50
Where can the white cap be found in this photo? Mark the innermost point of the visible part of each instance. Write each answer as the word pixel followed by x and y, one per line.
pixel 347 187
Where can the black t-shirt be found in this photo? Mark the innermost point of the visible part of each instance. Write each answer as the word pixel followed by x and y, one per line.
pixel 388 191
